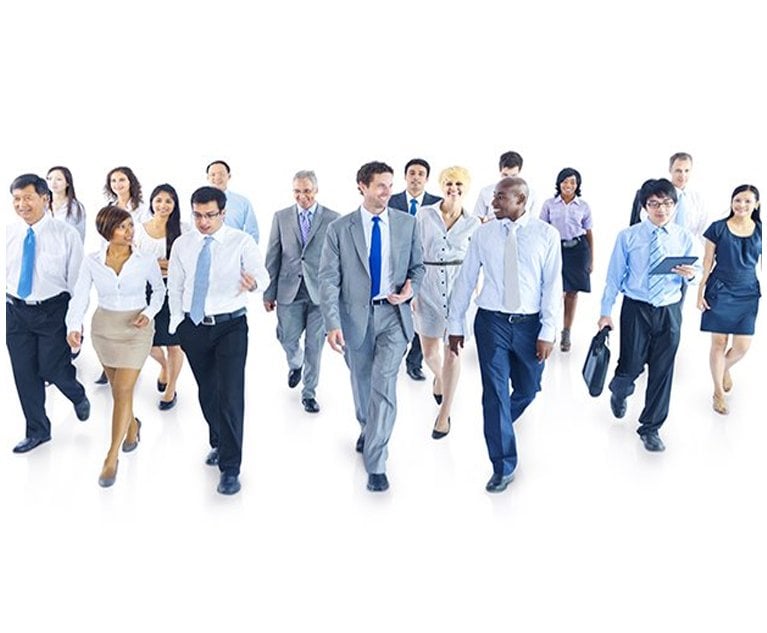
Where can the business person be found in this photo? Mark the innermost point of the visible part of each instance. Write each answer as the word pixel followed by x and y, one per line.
pixel 651 313
pixel 211 269
pixel 239 211
pixel 371 266
pixel 410 200
pixel 42 260
pixel 729 289
pixel 516 322
pixel 293 262
pixel 64 204
pixel 509 166
pixel 122 326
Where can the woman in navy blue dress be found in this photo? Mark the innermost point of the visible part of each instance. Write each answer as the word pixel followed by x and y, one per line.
pixel 729 291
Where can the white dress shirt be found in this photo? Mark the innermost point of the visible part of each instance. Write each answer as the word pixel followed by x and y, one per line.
pixel 58 255
pixel 232 252
pixel 126 291
pixel 484 208
pixel 387 287
pixel 153 245
pixel 62 213
pixel 539 259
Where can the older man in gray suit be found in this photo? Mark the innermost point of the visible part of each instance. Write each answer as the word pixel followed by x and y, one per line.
pixel 371 267
pixel 293 262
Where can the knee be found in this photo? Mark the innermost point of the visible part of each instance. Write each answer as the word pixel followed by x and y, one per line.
pixel 718 344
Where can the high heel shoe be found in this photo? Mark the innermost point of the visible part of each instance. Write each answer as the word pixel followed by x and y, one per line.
pixel 132 446
pixel 438 435
pixel 437 396
pixel 108 479
pixel 727 382
pixel 720 406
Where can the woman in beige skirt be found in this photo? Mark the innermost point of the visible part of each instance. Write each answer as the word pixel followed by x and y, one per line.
pixel 122 326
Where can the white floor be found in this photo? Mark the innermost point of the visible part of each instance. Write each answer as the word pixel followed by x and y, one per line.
pixel 593 532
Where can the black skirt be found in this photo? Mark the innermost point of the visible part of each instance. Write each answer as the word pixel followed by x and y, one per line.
pixel 575 266
pixel 162 322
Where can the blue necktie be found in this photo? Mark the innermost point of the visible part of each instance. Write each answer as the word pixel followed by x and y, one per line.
pixel 375 258
pixel 201 278
pixel 305 223
pixel 657 283
pixel 27 265
pixel 413 206
pixel 681 211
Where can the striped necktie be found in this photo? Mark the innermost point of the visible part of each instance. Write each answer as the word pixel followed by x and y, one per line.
pixel 305 222
pixel 656 283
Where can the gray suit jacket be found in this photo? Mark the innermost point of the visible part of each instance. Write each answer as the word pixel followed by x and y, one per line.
pixel 288 261
pixel 345 274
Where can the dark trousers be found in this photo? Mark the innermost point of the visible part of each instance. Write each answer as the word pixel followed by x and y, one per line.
pixel 36 338
pixel 506 351
pixel 649 336
pixel 414 358
pixel 217 356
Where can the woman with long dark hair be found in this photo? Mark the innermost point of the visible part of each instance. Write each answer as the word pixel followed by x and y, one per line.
pixel 156 236
pixel 729 290
pixel 123 190
pixel 64 204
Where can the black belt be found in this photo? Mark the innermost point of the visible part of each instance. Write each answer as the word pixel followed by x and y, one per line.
pixel 379 302
pixel 220 318
pixel 516 318
pixel 572 243
pixel 455 262
pixel 24 302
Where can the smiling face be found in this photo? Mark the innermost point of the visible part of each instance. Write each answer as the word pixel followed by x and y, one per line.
pixel 120 185
pixel 453 189
pixel 680 172
pixel 743 204
pixel 123 233
pixel 57 182
pixel 163 204
pixel 304 192
pixel 508 201
pixel 28 204
pixel 376 195
pixel 568 187
pixel 218 176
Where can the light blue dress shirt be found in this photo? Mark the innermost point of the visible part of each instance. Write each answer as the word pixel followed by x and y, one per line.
pixel 240 215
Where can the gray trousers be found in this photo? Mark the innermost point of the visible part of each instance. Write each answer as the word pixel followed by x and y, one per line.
pixel 293 319
pixel 374 366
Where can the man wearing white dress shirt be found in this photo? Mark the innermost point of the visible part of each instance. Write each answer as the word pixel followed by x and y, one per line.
pixel 239 211
pixel 518 315
pixel 690 211
pixel 43 257
pixel 509 166
pixel 209 272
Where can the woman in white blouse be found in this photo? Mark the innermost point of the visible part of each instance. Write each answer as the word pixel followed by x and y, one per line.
pixel 445 231
pixel 122 324
pixel 123 190
pixel 156 237
pixel 64 204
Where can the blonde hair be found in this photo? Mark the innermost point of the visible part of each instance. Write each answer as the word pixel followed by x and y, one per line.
pixel 456 174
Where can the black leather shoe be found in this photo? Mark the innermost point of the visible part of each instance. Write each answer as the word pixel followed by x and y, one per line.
pixel 653 443
pixel 498 483
pixel 378 483
pixel 228 484
pixel 161 386
pixel 212 458
pixel 416 373
pixel 294 377
pixel 132 446
pixel 360 443
pixel 310 405
pixel 29 443
pixel 83 409
pixel 169 404
pixel 618 405
pixel 438 435
pixel 102 380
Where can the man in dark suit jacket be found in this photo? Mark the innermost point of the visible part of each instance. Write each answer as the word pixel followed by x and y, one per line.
pixel 413 198
pixel 293 262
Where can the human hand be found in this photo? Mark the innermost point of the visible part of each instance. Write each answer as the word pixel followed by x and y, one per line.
pixel 455 342
pixel 74 339
pixel 142 320
pixel 605 321
pixel 336 340
pixel 163 262
pixel 247 282
pixel 702 303
pixel 543 349
pixel 688 272
pixel 405 293
pixel 269 305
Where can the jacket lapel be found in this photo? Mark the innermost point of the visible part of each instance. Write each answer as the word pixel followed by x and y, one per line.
pixel 358 238
pixel 315 225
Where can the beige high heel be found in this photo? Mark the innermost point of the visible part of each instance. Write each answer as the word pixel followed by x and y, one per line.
pixel 720 406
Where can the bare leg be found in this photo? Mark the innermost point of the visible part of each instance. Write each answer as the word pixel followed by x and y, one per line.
pixel 717 362
pixel 159 355
pixel 122 381
pixel 571 300
pixel 740 345
pixel 431 347
pixel 451 370
pixel 175 363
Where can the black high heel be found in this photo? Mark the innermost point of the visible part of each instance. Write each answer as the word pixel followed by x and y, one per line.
pixel 438 435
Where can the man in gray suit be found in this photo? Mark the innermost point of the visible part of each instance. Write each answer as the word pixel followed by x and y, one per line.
pixel 293 262
pixel 371 267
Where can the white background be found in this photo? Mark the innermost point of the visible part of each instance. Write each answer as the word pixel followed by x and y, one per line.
pixel 595 533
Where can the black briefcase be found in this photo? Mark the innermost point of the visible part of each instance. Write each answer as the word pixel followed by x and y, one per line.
pixel 597 362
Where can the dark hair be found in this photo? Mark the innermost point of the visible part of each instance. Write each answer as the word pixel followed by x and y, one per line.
pixel 678 156
pixel 509 160
pixel 755 215
pixel 134 192
pixel 74 208
pixel 109 218
pixel 661 188
pixel 23 181
pixel 218 162
pixel 366 173
pixel 418 161
pixel 173 227
pixel 203 195
pixel 564 175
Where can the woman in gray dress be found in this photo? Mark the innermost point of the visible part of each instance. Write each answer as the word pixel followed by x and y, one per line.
pixel 445 230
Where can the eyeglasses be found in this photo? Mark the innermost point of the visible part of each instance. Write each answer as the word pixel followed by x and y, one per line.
pixel 655 204
pixel 208 216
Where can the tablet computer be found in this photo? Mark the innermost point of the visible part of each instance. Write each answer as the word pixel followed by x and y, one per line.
pixel 667 263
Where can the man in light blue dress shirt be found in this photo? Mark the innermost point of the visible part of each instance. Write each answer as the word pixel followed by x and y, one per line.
pixel 651 314
pixel 239 211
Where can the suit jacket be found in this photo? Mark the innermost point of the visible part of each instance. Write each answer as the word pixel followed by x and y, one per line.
pixel 345 273
pixel 399 201
pixel 289 261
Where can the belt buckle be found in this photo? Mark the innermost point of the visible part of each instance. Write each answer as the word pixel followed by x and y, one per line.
pixel 208 320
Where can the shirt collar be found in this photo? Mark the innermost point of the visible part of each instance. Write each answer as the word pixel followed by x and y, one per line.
pixel 418 199
pixel 218 236
pixel 367 216
pixel 576 200
pixel 39 225
pixel 520 223
pixel 310 210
